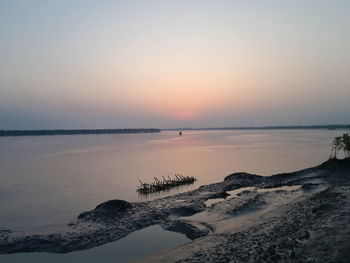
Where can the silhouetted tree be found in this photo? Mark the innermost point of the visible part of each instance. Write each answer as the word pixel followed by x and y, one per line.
pixel 336 145
pixel 346 144
pixel 341 143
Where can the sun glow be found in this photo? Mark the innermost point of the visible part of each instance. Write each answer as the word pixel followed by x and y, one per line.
pixel 183 114
pixel 179 92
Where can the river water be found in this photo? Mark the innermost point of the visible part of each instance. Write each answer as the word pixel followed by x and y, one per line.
pixel 47 181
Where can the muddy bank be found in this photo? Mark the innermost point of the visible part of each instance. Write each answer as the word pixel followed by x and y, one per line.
pixel 300 216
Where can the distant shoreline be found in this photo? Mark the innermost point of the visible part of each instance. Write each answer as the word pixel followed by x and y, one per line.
pixel 295 127
pixel 7 133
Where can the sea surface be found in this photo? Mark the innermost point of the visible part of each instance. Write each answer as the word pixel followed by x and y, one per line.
pixel 46 181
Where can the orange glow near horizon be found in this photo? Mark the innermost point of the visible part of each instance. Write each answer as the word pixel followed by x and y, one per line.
pixel 183 114
pixel 175 92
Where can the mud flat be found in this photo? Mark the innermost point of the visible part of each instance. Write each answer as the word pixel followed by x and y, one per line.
pixel 291 217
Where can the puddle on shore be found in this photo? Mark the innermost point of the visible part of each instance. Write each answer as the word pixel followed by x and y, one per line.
pixel 135 246
pixel 196 217
pixel 235 192
pixel 284 188
pixel 210 202
pixel 202 215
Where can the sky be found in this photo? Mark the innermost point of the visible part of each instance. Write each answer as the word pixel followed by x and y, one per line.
pixel 167 64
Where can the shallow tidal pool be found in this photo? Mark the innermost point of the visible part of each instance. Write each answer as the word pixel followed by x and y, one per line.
pixel 135 246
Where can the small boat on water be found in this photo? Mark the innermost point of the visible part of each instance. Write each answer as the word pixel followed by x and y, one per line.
pixel 165 184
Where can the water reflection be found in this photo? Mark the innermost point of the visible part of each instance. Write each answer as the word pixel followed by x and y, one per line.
pixel 169 191
pixel 135 246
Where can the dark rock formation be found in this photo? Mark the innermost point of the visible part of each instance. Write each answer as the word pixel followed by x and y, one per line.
pixel 111 208
pixel 245 176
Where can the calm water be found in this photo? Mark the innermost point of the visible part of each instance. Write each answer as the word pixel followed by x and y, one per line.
pixel 47 181
pixel 134 246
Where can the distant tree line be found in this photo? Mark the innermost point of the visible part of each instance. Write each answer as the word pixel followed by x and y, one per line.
pixel 72 132
pixel 341 143
pixel 294 127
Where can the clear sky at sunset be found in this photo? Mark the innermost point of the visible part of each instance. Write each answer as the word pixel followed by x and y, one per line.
pixel 166 64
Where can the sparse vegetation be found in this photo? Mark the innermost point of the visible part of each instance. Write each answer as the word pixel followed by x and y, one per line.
pixel 341 143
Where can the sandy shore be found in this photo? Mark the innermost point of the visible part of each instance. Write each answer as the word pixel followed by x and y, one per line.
pixel 291 217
